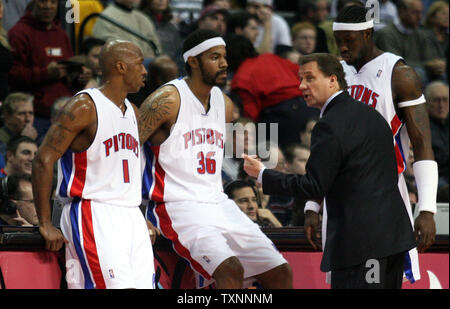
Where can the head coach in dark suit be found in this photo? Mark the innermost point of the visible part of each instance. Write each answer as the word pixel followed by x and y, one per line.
pixel 352 164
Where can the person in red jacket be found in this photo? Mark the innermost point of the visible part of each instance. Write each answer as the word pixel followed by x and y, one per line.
pixel 38 44
pixel 269 88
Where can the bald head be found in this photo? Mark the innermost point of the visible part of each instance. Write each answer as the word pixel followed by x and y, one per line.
pixel 117 51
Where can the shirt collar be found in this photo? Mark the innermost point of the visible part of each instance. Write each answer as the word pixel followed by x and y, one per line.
pixel 328 102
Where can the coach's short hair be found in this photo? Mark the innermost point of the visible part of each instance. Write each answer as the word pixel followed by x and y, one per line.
pixel 328 65
pixel 195 38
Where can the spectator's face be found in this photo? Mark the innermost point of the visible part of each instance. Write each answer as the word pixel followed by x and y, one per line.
pixel 441 18
pixel 45 10
pixel 1 10
pixel 93 58
pixel 23 114
pixel 253 8
pixel 130 3
pixel 246 199
pixel 215 22
pixel 305 41
pixel 22 160
pixel 159 5
pixel 298 165
pixel 438 105
pixel 305 136
pixel 223 4
pixel 250 31
pixel 213 66
pixel 322 11
pixel 411 15
pixel 25 205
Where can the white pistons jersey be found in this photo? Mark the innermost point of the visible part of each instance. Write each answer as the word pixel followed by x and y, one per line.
pixel 372 86
pixel 187 165
pixel 109 170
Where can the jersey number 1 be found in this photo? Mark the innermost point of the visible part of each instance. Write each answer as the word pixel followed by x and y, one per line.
pixel 208 164
pixel 126 172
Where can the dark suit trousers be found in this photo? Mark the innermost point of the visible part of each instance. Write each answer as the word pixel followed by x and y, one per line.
pixel 384 273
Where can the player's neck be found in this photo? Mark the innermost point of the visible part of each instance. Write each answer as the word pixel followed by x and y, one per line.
pixel 200 90
pixel 114 93
pixel 372 54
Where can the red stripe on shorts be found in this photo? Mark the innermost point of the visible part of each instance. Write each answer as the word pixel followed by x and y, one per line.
pixel 89 245
pixel 168 231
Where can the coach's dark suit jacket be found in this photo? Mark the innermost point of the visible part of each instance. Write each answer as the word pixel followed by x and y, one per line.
pixel 352 164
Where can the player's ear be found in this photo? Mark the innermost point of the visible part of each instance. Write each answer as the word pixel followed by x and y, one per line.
pixel 121 67
pixel 193 62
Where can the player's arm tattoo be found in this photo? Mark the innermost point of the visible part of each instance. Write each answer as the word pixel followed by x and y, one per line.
pixel 56 137
pixel 152 111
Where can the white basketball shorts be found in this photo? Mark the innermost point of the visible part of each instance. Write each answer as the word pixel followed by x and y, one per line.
pixel 206 234
pixel 109 246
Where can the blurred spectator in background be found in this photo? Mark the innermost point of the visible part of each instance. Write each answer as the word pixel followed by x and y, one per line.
pixel 315 12
pixel 160 13
pixel 437 95
pixel 243 140
pixel 125 12
pixel 91 49
pixel 6 59
pixel 297 156
pixel 213 18
pixel 19 156
pixel 245 24
pixel 305 135
pixel 405 38
pixel 160 71
pixel 436 22
pixel 38 43
pixel 79 74
pixel 13 10
pixel 304 36
pixel 16 205
pixel 18 117
pixel 267 99
pixel 388 14
pixel 281 206
pixel 244 194
pixel 223 4
pixel 272 24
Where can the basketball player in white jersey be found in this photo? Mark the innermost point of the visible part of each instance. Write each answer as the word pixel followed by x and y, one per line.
pixel 183 127
pixel 385 82
pixel 96 143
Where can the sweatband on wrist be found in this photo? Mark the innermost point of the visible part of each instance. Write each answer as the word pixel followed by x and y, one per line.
pixel 426 176
pixel 353 26
pixel 202 47
pixel 313 206
pixel 412 102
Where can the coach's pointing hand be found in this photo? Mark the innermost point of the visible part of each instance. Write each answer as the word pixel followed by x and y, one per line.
pixel 252 166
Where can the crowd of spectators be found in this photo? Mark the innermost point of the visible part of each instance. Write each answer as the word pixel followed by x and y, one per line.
pixel 41 66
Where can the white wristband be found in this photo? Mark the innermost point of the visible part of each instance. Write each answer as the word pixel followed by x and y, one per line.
pixel 426 175
pixel 313 206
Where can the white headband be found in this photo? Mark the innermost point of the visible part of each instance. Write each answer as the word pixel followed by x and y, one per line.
pixel 353 27
pixel 202 47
